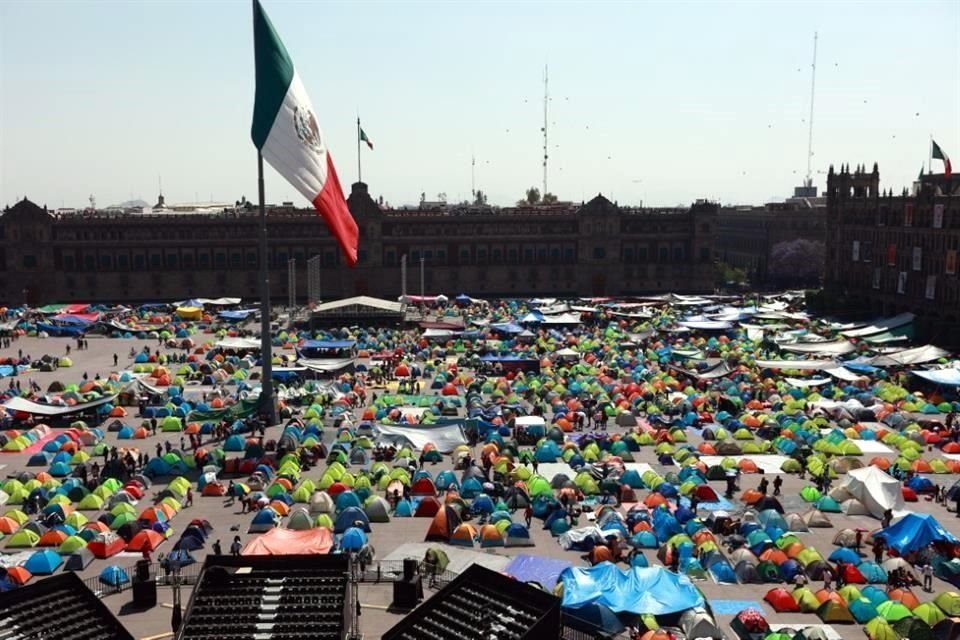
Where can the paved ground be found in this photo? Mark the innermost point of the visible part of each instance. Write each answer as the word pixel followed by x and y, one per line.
pixel 385 537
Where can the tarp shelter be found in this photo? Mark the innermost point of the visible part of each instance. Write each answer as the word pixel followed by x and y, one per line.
pixel 38 409
pixel 282 542
pixel 543 571
pixel 914 532
pixel 877 490
pixel 445 437
pixel 639 590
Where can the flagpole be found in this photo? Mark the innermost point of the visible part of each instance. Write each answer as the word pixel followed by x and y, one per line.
pixel 359 172
pixel 267 405
pixel 930 157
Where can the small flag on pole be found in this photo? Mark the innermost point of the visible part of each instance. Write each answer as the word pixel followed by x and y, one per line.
pixel 938 154
pixel 365 138
pixel 286 132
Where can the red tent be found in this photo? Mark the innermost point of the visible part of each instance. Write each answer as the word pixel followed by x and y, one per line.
pixel 106 545
pixel 781 600
pixel 427 508
pixel 423 487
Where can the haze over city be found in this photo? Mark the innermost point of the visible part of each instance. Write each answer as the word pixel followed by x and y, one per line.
pixel 660 103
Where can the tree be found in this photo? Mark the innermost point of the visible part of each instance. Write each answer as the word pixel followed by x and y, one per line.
pixel 533 195
pixel 797 260
pixel 549 198
pixel 479 198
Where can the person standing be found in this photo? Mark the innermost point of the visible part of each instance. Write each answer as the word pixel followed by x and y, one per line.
pixel 928 577
pixel 235 547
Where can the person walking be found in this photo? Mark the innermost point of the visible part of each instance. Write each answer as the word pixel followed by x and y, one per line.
pixel 217 550
pixel 928 577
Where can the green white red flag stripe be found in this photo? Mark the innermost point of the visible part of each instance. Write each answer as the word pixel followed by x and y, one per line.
pixel 286 132
pixel 938 153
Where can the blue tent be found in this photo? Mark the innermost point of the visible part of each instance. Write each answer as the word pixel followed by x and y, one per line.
pixel 873 572
pixel 348 499
pixel 234 443
pixel 347 519
pixel 920 484
pixel 598 616
pixel 843 554
pixel 114 576
pixel 43 562
pixel 59 469
pixel 482 504
pixel 404 509
pixel 639 590
pixel 353 539
pixel 181 556
pixel 913 532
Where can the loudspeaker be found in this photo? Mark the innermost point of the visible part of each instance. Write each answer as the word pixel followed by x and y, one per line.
pixel 407 593
pixel 142 571
pixel 410 566
pixel 144 594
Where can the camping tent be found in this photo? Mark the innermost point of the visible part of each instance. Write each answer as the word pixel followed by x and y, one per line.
pixel 877 490
pixel 280 542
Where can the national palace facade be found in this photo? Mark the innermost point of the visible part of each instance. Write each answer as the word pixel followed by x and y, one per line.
pixel 596 248
pixel 888 254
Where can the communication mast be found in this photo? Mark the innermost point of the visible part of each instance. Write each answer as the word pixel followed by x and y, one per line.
pixel 546 99
pixel 813 88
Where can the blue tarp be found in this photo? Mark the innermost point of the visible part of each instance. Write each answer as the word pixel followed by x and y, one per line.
pixel 544 571
pixel 506 327
pixel 328 344
pixel 914 532
pixel 233 316
pixel 639 590
pixel 58 330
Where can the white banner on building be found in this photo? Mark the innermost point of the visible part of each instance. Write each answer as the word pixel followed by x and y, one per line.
pixel 902 282
pixel 938 216
pixel 856 250
pixel 917 258
pixel 931 287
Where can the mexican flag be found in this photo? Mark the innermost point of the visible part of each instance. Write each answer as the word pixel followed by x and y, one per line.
pixel 364 138
pixel 286 132
pixel 938 154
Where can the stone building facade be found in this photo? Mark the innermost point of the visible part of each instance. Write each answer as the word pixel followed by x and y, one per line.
pixel 597 248
pixel 888 254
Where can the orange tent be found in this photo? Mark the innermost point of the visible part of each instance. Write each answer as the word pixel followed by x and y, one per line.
pixel 147 539
pixel 281 542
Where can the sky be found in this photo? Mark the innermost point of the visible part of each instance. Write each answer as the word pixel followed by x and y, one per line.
pixel 653 103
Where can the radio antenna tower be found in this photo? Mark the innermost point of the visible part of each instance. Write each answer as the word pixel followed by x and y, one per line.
pixel 546 99
pixel 813 88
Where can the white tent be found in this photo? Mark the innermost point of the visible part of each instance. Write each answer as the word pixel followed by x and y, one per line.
pixel 877 490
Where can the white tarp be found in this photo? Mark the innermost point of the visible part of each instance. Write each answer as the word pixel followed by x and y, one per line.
pixel 240 344
pixel 844 374
pixel 706 325
pixel 881 326
pixel 916 355
pixel 445 437
pixel 796 364
pixel 563 318
pixel 836 348
pixel 28 406
pixel 940 376
pixel 877 490
pixel 812 382
pixel 439 334
pixel 331 365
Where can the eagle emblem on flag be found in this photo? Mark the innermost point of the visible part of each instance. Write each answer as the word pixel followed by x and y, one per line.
pixel 305 124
